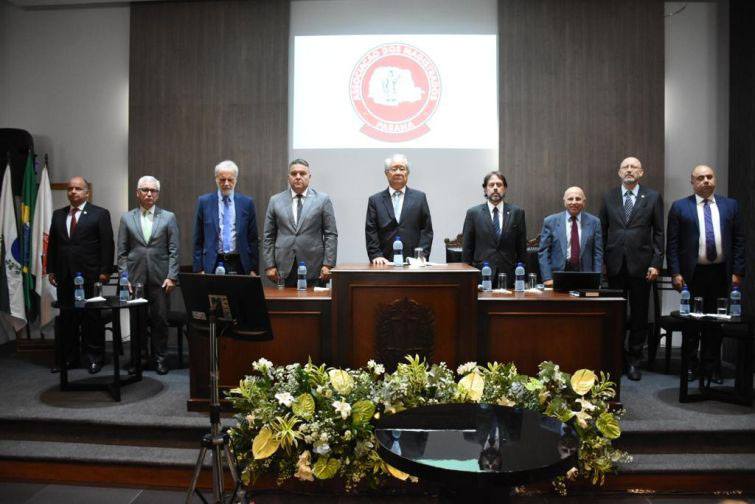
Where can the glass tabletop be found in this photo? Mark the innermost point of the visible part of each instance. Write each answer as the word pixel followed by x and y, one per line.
pixel 108 303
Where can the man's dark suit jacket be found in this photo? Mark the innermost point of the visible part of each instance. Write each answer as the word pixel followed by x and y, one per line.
pixel 207 231
pixel 684 235
pixel 481 244
pixel 381 228
pixel 89 250
pixel 639 241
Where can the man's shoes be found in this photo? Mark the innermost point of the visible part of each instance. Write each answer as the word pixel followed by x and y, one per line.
pixel 161 366
pixel 717 378
pixel 692 375
pixel 94 368
pixel 633 373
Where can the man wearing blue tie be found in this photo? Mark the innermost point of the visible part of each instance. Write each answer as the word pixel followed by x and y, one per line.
pixel 225 227
pixel 705 250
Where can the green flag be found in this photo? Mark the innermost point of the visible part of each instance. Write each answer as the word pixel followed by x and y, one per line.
pixel 28 199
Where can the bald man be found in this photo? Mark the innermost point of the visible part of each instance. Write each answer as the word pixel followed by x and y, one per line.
pixel 632 220
pixel 81 241
pixel 705 251
pixel 571 240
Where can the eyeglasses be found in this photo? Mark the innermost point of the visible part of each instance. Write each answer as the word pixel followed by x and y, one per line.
pixel 145 190
pixel 398 168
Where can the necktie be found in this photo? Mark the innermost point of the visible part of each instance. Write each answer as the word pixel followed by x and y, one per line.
pixel 227 225
pixel 397 204
pixel 146 226
pixel 73 221
pixel 496 222
pixel 574 255
pixel 298 208
pixel 710 237
pixel 627 205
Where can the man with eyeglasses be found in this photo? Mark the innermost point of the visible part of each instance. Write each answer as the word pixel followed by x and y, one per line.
pixel 397 211
pixel 148 247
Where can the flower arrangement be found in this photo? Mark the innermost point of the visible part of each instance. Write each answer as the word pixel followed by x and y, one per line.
pixel 313 422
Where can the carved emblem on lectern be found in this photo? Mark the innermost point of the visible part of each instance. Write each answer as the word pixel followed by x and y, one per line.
pixel 403 327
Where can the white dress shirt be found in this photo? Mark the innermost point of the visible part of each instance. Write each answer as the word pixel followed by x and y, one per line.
pixel 294 205
pixel 701 256
pixel 397 208
pixel 633 194
pixel 568 231
pixel 221 211
pixel 78 217
pixel 500 213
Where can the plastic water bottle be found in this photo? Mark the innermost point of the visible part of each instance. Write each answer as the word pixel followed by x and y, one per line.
pixel 684 302
pixel 398 252
pixel 519 273
pixel 220 270
pixel 78 291
pixel 735 302
pixel 301 277
pixel 123 287
pixel 487 280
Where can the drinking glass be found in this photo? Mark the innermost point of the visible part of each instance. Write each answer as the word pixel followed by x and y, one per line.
pixel 97 291
pixel 280 281
pixel 419 255
pixel 723 306
pixel 697 305
pixel 138 290
pixel 502 281
pixel 532 281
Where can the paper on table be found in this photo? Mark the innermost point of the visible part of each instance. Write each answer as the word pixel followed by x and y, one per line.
pixel 321 289
pixel 136 301
pixel 95 299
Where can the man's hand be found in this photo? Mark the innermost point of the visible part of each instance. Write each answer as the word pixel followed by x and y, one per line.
pixel 548 283
pixel 272 274
pixel 652 274
pixel 104 278
pixel 253 273
pixel 169 285
pixel 325 273
pixel 380 260
pixel 678 282
pixel 736 280
pixel 52 279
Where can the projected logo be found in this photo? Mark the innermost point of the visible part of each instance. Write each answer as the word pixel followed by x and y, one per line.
pixel 395 89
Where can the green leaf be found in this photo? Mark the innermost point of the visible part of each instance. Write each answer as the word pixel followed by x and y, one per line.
pixel 325 468
pixel 362 411
pixel 304 406
pixel 264 444
pixel 608 425
pixel 533 384
pixel 582 381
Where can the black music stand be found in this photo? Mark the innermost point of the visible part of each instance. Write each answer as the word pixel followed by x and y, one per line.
pixel 225 306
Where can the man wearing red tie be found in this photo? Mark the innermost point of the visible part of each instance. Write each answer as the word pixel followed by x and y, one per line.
pixel 81 241
pixel 705 250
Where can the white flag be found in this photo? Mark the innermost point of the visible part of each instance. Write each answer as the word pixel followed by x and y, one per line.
pixel 39 236
pixel 11 249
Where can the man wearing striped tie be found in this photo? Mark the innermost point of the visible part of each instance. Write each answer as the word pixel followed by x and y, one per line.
pixel 705 250
pixel 632 219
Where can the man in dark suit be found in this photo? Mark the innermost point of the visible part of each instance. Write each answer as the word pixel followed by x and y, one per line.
pixel 148 250
pixel 80 241
pixel 705 250
pixel 571 240
pixel 397 211
pixel 632 221
pixel 495 231
pixel 225 227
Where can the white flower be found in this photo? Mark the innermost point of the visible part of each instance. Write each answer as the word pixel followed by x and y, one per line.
pixel 322 449
pixel 284 398
pixel 263 366
pixel 343 408
pixel 347 435
pixel 303 467
pixel 467 368
pixel 376 368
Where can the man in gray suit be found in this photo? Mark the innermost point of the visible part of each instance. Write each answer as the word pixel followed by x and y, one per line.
pixel 148 250
pixel 300 225
pixel 570 240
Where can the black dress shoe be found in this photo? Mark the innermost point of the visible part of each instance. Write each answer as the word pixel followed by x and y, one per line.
pixel 717 378
pixel 633 373
pixel 692 375
pixel 94 368
pixel 161 367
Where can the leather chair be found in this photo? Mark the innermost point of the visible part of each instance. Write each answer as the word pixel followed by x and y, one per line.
pixel 179 320
pixel 453 249
pixel 668 323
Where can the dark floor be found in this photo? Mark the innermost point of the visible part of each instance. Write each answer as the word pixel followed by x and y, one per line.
pixel 28 493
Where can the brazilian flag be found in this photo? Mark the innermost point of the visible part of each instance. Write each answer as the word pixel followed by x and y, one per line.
pixel 28 200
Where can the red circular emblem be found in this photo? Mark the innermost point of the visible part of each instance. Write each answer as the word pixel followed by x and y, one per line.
pixel 395 89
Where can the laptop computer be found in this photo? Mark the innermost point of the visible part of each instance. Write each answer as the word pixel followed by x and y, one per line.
pixel 565 281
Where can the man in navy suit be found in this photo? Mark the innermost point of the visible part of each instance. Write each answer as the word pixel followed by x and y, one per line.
pixel 571 240
pixel 632 220
pixel 397 211
pixel 225 227
pixel 495 231
pixel 81 241
pixel 706 251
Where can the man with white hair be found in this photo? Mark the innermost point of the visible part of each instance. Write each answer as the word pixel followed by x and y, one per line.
pixel 397 211
pixel 148 250
pixel 225 227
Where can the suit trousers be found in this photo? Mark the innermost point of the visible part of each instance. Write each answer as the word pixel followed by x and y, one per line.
pixel 90 321
pixel 637 292
pixel 159 303
pixel 709 282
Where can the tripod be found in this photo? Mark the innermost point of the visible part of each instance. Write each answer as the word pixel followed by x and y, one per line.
pixel 217 442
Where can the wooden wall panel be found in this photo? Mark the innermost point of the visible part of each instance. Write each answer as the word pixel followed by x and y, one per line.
pixel 208 82
pixel 581 88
